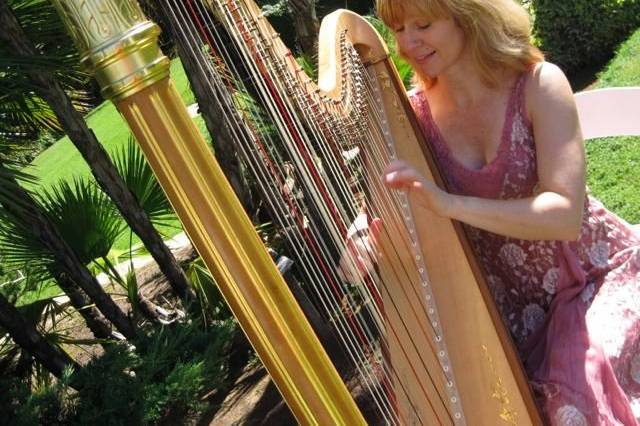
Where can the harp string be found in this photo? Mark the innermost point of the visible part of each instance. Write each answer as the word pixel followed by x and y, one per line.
pixel 303 253
pixel 263 75
pixel 287 207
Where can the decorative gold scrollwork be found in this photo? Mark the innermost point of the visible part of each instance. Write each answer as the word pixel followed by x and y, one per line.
pixel 498 391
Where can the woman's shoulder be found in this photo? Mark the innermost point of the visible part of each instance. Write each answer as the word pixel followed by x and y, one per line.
pixel 545 75
pixel 546 85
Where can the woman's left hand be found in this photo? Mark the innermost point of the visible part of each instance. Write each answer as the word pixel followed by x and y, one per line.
pixel 401 176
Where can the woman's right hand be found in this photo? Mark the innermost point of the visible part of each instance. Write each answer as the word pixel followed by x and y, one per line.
pixel 401 176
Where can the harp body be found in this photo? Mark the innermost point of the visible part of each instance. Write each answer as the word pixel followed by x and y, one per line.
pixel 479 356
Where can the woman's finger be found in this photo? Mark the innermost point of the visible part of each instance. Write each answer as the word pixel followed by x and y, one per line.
pixel 403 178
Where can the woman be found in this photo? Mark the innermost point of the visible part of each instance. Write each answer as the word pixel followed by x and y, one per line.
pixel 564 271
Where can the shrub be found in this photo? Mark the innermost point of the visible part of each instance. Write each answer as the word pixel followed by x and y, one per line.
pixel 162 379
pixel 24 407
pixel 577 33
pixel 159 381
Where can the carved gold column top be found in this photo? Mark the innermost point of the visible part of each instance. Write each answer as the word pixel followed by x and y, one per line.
pixel 117 44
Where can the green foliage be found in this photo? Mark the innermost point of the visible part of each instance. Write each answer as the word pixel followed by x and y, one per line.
pixel 404 69
pixel 179 393
pixel 110 391
pixel 85 216
pixel 624 69
pixel 24 114
pixel 21 248
pixel 309 69
pixel 46 406
pixel 577 33
pixel 139 178
pixel 160 379
pixel 212 304
pixel 274 7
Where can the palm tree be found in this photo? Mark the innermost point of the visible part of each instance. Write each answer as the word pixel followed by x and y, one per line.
pixel 11 232
pixel 89 222
pixel 21 210
pixel 44 83
pixel 28 338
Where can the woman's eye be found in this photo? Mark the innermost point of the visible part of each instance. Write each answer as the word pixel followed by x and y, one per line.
pixel 398 29
pixel 424 26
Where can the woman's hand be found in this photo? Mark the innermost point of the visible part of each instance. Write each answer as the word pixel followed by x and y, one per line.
pixel 401 176
pixel 360 255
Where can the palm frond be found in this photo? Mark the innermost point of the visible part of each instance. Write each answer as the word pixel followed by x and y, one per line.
pixel 15 201
pixel 139 178
pixel 22 112
pixel 86 218
pixel 212 304
pixel 22 249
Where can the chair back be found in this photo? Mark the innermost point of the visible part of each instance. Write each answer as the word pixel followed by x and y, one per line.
pixel 609 112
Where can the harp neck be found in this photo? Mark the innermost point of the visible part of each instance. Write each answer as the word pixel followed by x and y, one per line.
pixel 357 32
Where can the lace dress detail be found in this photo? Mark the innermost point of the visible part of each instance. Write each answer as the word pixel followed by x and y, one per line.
pixel 573 308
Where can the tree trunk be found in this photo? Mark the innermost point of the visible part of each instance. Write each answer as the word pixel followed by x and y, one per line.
pixel 96 322
pixel 27 337
pixel 73 270
pixel 306 24
pixel 96 157
pixel 211 109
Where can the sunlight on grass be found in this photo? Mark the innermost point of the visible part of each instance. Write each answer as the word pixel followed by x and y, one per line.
pixel 62 161
pixel 613 174
pixel 624 69
pixel 613 164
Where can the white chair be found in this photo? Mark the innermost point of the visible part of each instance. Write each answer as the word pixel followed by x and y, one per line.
pixel 612 111
pixel 609 112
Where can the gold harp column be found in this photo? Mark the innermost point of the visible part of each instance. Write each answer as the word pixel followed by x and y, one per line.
pixel 119 45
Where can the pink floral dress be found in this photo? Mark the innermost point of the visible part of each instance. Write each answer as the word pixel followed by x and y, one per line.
pixel 573 308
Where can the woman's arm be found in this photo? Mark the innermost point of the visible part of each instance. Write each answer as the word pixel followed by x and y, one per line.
pixel 555 212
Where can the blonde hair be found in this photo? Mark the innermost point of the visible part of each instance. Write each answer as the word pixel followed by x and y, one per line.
pixel 496 31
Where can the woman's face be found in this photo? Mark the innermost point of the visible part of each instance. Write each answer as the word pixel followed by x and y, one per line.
pixel 431 47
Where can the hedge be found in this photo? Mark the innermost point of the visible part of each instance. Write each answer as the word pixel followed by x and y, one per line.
pixel 578 33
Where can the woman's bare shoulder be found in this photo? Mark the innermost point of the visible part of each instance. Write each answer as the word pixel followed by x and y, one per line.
pixel 547 88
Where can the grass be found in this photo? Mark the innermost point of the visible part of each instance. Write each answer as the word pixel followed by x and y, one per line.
pixel 62 161
pixel 110 129
pixel 624 68
pixel 613 164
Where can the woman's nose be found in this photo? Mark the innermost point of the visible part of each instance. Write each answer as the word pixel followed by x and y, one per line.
pixel 408 39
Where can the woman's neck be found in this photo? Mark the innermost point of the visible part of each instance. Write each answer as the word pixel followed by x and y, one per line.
pixel 462 86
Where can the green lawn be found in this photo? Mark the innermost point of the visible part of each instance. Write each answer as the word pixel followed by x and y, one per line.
pixel 62 161
pixel 613 164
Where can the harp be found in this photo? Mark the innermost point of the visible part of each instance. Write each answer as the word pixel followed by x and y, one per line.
pixel 430 347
